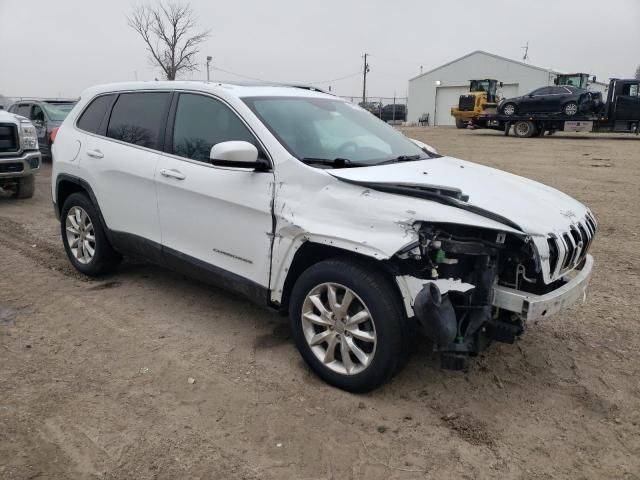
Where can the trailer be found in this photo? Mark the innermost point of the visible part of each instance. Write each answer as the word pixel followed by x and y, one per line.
pixel 620 113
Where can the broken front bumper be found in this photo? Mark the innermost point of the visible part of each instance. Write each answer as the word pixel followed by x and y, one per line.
pixel 532 307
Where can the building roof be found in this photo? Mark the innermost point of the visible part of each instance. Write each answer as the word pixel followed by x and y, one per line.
pixel 490 55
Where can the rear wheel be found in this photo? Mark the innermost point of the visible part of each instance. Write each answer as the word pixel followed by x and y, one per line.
pixel 509 109
pixel 25 186
pixel 84 237
pixel 570 109
pixel 524 129
pixel 461 123
pixel 348 324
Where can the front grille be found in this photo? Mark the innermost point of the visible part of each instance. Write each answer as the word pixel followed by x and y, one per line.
pixel 8 138
pixel 467 103
pixel 12 167
pixel 569 249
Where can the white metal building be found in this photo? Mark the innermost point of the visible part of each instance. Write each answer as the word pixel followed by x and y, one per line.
pixel 436 91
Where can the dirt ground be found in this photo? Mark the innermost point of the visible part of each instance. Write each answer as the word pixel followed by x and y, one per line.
pixel 94 374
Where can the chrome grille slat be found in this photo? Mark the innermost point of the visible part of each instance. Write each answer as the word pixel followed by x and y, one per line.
pixel 572 245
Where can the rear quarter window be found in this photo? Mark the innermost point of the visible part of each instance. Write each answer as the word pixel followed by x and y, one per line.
pixel 92 117
pixel 137 118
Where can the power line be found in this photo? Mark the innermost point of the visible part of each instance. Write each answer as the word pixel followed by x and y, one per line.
pixel 339 78
pixel 241 75
pixel 271 81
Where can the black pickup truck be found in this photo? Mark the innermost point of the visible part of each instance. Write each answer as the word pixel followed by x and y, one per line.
pixel 620 113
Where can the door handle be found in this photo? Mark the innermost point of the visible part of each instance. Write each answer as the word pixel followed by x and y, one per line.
pixel 172 174
pixel 95 153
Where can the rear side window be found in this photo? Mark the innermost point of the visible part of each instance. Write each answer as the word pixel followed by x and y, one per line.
pixel 91 118
pixel 201 122
pixel 137 118
pixel 24 110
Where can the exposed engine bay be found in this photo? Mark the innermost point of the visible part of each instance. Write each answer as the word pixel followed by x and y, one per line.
pixel 460 266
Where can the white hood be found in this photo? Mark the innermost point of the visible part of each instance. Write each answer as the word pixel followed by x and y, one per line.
pixel 536 208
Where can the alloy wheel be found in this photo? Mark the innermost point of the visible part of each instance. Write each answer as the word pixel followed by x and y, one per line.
pixel 571 109
pixel 80 235
pixel 509 109
pixel 339 328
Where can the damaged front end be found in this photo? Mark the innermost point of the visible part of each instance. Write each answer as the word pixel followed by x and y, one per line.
pixel 455 273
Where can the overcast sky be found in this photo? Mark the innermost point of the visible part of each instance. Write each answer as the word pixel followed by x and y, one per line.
pixel 52 48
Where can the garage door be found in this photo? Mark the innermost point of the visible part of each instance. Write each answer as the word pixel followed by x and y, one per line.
pixel 447 97
pixel 509 90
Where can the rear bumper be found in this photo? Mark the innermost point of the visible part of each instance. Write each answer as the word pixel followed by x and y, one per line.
pixel 20 166
pixel 534 307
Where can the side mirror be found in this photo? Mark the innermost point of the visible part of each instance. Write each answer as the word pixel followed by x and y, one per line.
pixel 236 154
pixel 38 123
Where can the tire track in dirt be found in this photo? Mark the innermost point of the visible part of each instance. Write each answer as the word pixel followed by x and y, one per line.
pixel 15 237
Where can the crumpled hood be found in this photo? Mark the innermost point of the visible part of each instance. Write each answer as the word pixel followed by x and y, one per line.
pixel 536 208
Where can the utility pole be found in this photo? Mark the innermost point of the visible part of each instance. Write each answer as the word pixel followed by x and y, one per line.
pixel 364 80
pixel 209 58
pixel 526 52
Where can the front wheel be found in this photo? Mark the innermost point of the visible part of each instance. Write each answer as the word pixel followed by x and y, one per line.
pixel 84 237
pixel 26 186
pixel 461 123
pixel 570 109
pixel 509 109
pixel 347 322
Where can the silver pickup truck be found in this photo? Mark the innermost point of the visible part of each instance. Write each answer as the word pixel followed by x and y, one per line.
pixel 20 158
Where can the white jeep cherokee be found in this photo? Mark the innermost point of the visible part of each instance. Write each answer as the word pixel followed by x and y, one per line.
pixel 310 205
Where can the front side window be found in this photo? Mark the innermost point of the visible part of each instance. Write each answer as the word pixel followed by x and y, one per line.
pixel 201 122
pixel 314 128
pixel 91 118
pixel 37 114
pixel 137 118
pixel 631 90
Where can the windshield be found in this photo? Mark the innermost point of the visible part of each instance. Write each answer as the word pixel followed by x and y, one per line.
pixel 578 80
pixel 58 112
pixel 327 129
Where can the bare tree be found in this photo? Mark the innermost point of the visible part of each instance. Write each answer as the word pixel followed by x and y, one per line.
pixel 169 31
pixel 638 73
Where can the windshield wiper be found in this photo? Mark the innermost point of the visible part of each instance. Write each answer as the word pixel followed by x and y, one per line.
pixel 402 158
pixel 335 162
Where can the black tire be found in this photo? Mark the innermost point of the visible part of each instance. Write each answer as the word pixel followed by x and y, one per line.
pixel 508 111
pixel 380 297
pixel 570 109
pixel 524 129
pixel 461 123
pixel 25 186
pixel 105 259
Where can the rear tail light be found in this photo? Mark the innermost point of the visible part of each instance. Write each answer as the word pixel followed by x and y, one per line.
pixel 53 134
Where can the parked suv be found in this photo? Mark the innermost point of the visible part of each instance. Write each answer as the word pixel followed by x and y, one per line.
pixel 309 205
pixel 19 155
pixel 46 115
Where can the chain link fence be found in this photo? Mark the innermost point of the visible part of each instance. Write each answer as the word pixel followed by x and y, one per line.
pixel 390 109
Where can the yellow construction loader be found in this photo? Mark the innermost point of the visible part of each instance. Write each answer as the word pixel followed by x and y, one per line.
pixel 482 96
